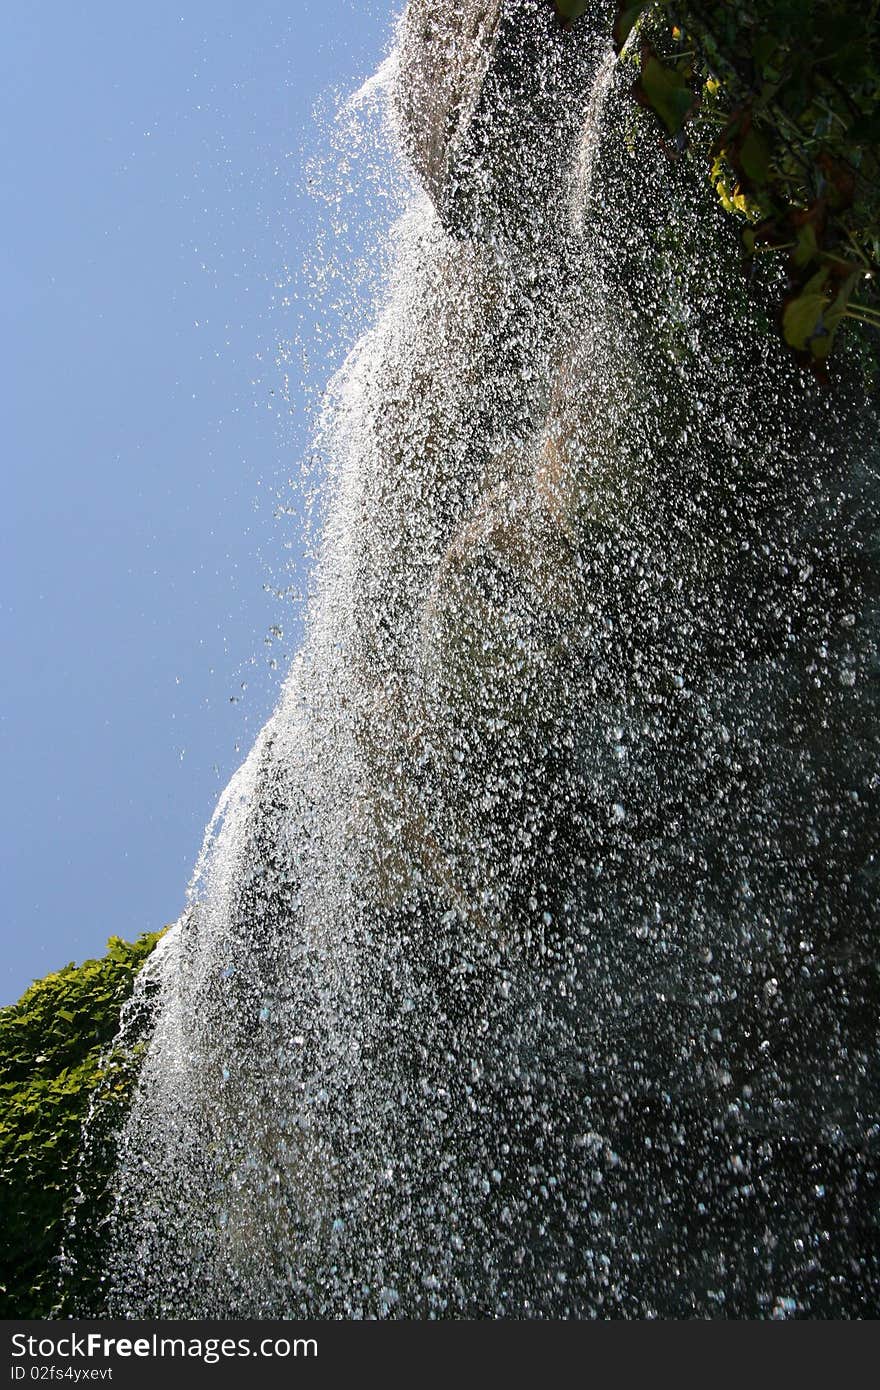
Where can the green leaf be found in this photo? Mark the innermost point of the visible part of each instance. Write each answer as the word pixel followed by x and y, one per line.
pixel 802 315
pixel 627 14
pixel 754 157
pixel 807 246
pixel 823 342
pixel 665 91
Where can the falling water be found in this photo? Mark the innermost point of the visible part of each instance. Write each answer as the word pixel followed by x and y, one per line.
pixel 530 965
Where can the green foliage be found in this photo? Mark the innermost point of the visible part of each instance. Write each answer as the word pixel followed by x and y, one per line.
pixel 781 98
pixel 53 1064
pixel 665 91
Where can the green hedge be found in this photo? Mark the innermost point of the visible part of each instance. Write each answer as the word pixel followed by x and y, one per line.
pixel 55 1060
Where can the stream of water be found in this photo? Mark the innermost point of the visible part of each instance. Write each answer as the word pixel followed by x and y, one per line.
pixel 530 967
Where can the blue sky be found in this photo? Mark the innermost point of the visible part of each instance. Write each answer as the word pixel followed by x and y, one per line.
pixel 156 161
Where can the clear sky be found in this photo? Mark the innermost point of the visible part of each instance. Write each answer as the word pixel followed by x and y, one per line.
pixel 154 206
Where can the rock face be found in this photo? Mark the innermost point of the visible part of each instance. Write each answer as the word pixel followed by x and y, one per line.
pixel 444 59
pixel 534 968
pixel 490 100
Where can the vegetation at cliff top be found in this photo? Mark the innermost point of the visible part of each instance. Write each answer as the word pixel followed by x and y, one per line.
pixel 53 1062
pixel 779 100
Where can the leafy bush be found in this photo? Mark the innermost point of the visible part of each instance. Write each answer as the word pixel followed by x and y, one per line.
pixel 779 98
pixel 54 1063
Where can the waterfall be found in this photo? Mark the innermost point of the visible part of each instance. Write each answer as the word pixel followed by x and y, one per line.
pixel 530 962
